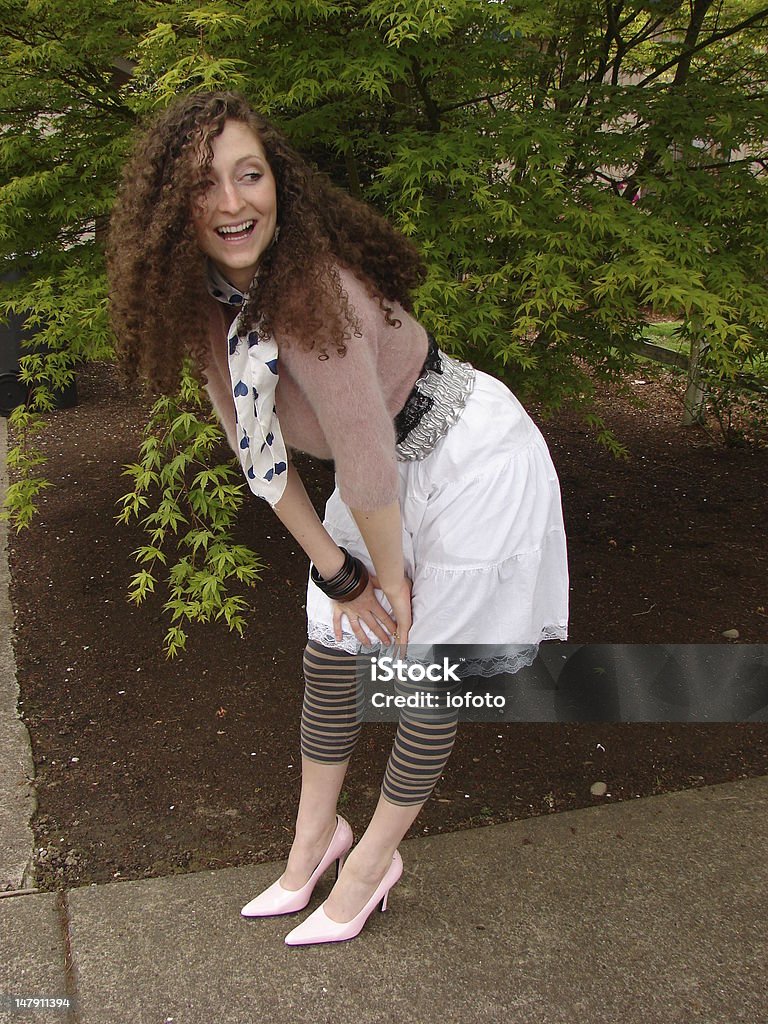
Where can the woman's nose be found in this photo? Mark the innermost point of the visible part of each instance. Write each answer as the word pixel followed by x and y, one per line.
pixel 229 199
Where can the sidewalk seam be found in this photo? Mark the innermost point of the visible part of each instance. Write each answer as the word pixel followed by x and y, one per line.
pixel 70 971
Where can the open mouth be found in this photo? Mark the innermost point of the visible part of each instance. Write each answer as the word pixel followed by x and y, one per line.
pixel 236 232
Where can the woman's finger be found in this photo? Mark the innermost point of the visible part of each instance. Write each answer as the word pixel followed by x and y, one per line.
pixel 375 627
pixel 400 638
pixel 372 612
pixel 382 616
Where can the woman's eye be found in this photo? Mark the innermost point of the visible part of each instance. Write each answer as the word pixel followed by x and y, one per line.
pixel 252 176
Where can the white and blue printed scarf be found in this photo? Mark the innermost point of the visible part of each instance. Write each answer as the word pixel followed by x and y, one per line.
pixel 253 370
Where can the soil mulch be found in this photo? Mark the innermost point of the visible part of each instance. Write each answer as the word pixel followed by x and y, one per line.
pixel 147 766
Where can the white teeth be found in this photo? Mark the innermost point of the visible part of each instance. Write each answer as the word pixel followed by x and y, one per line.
pixel 235 229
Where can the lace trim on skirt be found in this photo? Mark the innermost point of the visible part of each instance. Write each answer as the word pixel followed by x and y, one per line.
pixel 505 661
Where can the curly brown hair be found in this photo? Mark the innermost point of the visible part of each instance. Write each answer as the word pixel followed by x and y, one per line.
pixel 158 292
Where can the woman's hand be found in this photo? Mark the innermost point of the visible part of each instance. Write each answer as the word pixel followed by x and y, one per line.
pixel 368 609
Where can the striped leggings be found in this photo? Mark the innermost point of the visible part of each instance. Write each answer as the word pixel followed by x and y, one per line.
pixel 330 728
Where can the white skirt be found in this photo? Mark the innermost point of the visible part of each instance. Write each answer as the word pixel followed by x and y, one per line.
pixel 483 539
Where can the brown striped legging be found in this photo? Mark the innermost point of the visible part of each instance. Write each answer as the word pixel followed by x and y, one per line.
pixel 330 727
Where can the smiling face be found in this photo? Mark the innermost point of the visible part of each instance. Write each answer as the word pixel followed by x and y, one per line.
pixel 236 218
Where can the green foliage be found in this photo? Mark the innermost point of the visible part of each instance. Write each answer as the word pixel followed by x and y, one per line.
pixel 506 139
pixel 740 415
pixel 194 506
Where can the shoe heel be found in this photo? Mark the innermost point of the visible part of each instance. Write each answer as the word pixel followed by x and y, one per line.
pixel 384 901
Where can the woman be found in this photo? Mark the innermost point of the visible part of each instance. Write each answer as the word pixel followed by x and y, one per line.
pixel 445 526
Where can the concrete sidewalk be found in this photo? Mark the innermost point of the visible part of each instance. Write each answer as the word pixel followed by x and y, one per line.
pixel 17 794
pixel 650 911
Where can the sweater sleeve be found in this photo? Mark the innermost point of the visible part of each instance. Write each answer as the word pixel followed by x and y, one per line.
pixel 347 399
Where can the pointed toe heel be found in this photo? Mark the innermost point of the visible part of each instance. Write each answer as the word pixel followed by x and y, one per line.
pixel 318 927
pixel 276 900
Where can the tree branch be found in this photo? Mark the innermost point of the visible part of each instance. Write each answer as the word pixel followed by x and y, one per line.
pixel 430 107
pixel 476 99
pixel 714 38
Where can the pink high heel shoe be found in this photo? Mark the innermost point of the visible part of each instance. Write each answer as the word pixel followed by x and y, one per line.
pixel 318 927
pixel 277 900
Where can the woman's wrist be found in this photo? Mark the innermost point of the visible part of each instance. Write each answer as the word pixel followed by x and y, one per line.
pixel 329 562
pixel 391 583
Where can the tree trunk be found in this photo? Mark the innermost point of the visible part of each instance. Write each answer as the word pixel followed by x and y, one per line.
pixel 694 400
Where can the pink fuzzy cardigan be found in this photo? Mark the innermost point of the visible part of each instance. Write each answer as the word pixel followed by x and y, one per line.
pixel 341 408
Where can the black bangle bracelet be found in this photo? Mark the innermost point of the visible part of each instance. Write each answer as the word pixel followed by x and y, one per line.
pixel 344 572
pixel 338 578
pixel 350 581
pixel 354 590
